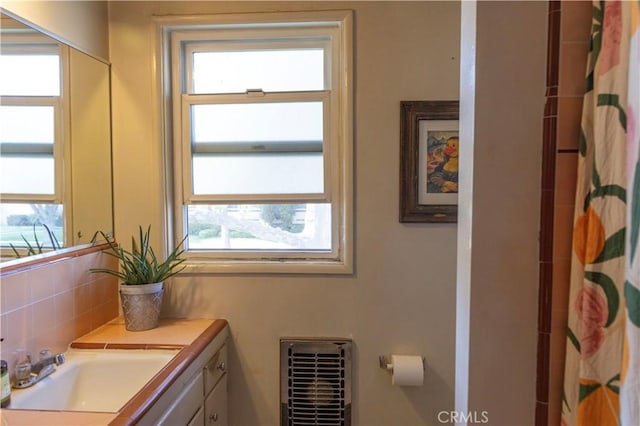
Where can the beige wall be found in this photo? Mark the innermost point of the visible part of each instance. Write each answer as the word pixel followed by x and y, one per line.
pixel 402 296
pixel 81 24
pixel 502 105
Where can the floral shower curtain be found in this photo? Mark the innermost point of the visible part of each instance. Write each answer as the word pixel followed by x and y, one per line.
pixel 602 368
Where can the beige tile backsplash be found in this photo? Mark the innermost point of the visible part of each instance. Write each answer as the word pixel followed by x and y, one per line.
pixel 50 305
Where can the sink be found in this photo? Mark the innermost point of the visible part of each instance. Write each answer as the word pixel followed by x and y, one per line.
pixel 93 380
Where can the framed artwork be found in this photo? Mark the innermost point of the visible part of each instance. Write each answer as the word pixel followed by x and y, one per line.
pixel 429 149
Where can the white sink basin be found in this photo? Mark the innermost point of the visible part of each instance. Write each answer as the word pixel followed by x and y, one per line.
pixel 93 380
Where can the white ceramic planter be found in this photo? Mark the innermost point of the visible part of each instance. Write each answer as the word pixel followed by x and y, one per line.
pixel 141 305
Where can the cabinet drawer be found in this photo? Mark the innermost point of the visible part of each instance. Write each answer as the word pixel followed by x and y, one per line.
pixel 214 369
pixel 215 406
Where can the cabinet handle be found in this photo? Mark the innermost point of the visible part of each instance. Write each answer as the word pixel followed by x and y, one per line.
pixel 221 366
pixel 212 362
pixel 213 417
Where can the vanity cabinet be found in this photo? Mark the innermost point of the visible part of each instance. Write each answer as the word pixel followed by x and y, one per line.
pixel 203 400
pixel 198 397
pixel 215 390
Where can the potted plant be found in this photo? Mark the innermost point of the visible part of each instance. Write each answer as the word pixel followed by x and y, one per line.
pixel 142 278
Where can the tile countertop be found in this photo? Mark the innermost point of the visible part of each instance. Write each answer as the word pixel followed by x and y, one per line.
pixel 191 335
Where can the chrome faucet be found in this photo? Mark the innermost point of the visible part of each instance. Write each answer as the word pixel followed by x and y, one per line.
pixel 28 374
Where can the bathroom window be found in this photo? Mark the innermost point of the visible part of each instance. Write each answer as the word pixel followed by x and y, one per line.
pixel 262 141
pixel 31 123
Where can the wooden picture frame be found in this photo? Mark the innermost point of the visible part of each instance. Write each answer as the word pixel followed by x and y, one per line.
pixel 428 161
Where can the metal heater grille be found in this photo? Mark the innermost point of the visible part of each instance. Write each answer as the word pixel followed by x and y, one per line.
pixel 315 382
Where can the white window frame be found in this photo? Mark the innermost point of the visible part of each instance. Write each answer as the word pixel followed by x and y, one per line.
pixel 30 43
pixel 333 28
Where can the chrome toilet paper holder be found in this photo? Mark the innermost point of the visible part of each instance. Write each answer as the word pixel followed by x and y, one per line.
pixel 385 363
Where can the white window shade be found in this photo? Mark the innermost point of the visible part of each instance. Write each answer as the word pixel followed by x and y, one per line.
pixel 27 163
pixel 271 70
pixel 27 175
pixel 257 122
pixel 256 148
pixel 274 173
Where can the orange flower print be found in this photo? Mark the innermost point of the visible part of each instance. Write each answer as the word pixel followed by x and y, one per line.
pixel 588 236
pixel 598 407
pixel 611 36
pixel 592 311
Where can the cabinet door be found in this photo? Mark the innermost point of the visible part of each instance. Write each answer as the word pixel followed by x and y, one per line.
pixel 185 405
pixel 198 418
pixel 215 406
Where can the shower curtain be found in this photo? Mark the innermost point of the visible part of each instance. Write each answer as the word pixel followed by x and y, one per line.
pixel 602 370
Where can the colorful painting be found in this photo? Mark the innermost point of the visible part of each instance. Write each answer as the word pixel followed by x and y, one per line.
pixel 442 162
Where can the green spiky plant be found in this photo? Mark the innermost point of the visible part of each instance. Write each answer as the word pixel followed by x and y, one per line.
pixel 37 247
pixel 140 265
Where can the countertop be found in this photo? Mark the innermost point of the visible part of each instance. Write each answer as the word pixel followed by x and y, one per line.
pixel 189 335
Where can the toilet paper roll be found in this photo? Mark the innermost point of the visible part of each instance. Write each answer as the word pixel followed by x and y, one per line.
pixel 408 370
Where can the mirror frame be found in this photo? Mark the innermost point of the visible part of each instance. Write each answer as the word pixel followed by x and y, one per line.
pixel 29 262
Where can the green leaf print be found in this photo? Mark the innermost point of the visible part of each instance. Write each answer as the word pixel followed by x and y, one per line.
pixel 573 339
pixel 614 387
pixel 604 191
pixel 596 31
pixel 598 14
pixel 583 143
pixel 632 296
pixel 613 247
pixel 565 402
pixel 611 190
pixel 610 99
pixel 586 390
pixel 610 291
pixel 589 82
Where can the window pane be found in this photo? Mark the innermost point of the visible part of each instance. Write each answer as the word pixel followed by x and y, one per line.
pixel 259 227
pixel 258 173
pixel 269 70
pixel 263 122
pixel 16 124
pixel 29 75
pixel 27 175
pixel 17 220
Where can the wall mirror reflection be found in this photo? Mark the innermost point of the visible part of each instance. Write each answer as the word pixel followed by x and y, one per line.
pixel 55 143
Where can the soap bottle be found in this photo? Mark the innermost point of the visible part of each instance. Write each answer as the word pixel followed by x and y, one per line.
pixel 6 385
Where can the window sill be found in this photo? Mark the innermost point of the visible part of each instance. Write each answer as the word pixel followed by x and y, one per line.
pixel 268 267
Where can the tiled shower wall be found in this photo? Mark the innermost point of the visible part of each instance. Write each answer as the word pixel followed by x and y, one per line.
pixel 569 38
pixel 50 305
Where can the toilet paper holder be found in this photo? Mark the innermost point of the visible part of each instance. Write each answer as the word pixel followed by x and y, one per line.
pixel 385 363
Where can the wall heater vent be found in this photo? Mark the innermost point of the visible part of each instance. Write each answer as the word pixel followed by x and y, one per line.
pixel 315 382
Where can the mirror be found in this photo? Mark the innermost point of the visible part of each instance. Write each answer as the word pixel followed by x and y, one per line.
pixel 55 160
